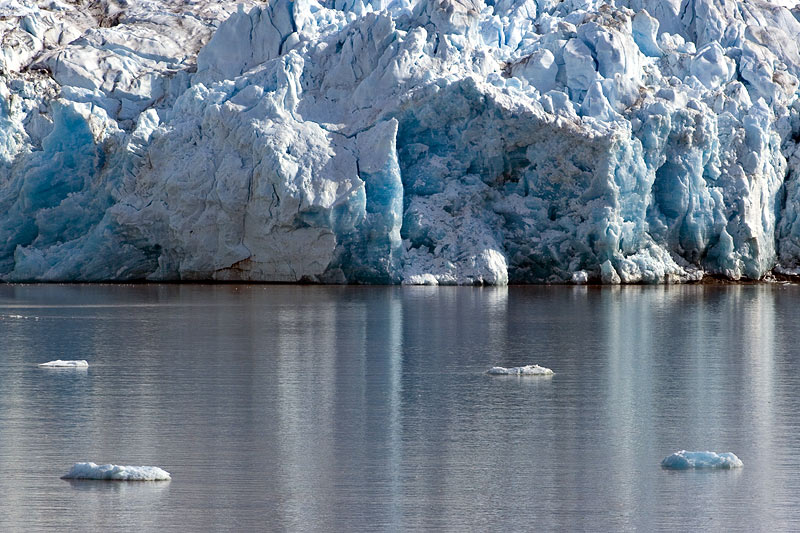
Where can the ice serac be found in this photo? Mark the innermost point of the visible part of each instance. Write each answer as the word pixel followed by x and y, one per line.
pixel 399 141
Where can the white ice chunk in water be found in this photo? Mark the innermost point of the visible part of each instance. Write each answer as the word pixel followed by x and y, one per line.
pixel 684 460
pixel 527 370
pixel 116 472
pixel 58 363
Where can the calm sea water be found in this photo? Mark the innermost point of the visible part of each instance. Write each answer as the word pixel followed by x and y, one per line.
pixel 368 408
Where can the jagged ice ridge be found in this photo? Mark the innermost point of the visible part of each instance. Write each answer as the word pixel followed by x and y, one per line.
pixel 397 141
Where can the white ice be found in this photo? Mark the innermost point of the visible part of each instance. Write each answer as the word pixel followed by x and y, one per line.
pixel 116 472
pixel 65 364
pixel 684 460
pixel 399 141
pixel 527 370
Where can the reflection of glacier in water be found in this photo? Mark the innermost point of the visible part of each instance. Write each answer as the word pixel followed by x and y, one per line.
pixel 368 408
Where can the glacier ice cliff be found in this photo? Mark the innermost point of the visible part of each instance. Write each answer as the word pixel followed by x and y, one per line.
pixel 399 141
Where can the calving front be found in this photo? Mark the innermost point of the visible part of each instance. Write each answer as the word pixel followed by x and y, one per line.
pixel 438 142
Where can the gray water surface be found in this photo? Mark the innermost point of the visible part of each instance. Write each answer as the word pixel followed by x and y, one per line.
pixel 368 408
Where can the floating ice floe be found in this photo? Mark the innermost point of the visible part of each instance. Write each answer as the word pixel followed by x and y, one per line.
pixel 684 460
pixel 116 472
pixel 65 364
pixel 527 370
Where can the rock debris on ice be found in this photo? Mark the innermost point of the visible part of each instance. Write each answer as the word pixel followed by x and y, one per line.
pixel 58 363
pixel 684 460
pixel 527 370
pixel 116 472
pixel 399 141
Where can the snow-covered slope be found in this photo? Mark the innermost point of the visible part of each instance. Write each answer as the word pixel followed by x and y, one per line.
pixel 436 141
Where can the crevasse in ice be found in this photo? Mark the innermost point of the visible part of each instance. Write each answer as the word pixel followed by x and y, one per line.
pixel 399 141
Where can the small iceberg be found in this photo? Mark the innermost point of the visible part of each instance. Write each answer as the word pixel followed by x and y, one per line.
pixel 116 472
pixel 528 370
pixel 684 460
pixel 65 364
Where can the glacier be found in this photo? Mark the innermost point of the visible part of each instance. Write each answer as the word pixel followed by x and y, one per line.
pixel 111 472
pixel 684 460
pixel 399 141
